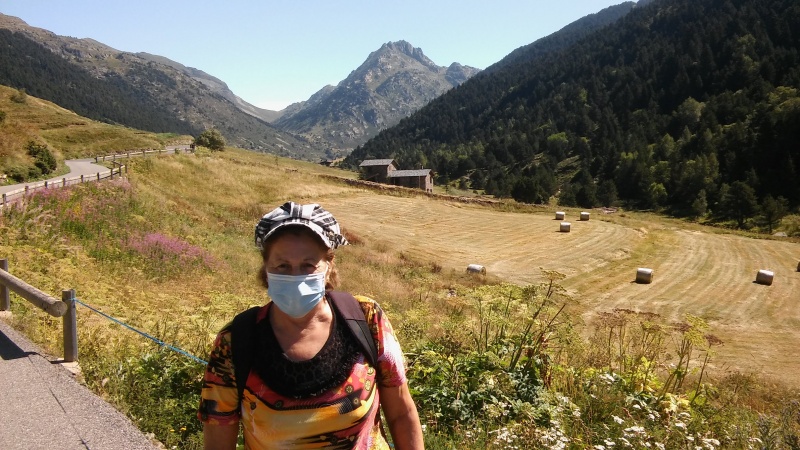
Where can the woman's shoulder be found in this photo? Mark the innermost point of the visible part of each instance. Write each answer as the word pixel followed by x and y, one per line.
pixel 369 305
pixel 365 301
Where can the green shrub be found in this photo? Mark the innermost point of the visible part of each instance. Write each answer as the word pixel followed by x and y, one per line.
pixel 43 158
pixel 158 389
pixel 19 97
pixel 211 139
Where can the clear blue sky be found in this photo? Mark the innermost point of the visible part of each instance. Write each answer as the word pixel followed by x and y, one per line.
pixel 273 53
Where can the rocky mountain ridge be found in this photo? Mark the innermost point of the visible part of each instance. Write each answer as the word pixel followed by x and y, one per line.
pixel 393 82
pixel 189 94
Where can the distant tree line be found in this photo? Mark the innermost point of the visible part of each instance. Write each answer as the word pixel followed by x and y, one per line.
pixel 25 64
pixel 685 106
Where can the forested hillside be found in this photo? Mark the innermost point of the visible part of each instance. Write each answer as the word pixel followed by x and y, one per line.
pixel 142 91
pixel 109 100
pixel 687 105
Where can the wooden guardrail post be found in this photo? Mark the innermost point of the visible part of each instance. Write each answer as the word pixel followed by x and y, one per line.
pixel 5 301
pixel 40 299
pixel 70 326
pixel 4 199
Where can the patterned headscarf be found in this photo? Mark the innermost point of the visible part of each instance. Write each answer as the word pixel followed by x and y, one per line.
pixel 312 216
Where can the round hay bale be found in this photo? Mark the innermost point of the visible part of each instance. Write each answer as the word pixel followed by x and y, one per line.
pixel 565 226
pixel 584 216
pixel 476 268
pixel 644 275
pixel 765 277
pixel 560 215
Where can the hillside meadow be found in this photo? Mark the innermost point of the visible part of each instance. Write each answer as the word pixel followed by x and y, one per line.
pixel 702 349
pixel 555 347
pixel 65 133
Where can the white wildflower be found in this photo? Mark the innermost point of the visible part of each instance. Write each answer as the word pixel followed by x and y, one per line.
pixel 634 430
pixel 617 419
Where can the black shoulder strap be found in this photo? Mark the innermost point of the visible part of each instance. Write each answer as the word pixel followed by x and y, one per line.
pixel 350 310
pixel 243 330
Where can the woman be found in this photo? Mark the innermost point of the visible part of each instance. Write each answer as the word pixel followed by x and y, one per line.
pixel 311 385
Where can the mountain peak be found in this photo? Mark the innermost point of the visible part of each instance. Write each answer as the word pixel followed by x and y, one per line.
pixel 404 48
pixel 393 82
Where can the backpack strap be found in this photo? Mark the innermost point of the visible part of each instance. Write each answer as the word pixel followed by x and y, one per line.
pixel 243 331
pixel 349 309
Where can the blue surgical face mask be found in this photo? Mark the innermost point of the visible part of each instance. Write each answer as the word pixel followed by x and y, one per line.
pixel 296 295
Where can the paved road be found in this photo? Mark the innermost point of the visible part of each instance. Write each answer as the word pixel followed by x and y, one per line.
pixel 43 407
pixel 78 167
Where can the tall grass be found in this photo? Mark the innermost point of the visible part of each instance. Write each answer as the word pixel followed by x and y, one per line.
pixel 491 365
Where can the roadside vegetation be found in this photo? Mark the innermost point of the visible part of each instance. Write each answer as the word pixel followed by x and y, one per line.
pixel 36 136
pixel 491 364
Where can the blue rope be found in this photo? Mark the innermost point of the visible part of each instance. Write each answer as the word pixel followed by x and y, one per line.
pixel 155 339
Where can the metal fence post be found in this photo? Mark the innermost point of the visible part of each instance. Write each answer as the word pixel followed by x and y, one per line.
pixel 70 326
pixel 5 300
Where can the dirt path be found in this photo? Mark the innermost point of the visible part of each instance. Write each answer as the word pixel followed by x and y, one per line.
pixel 699 273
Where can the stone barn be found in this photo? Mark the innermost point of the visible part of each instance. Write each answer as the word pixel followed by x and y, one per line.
pixel 417 179
pixel 377 170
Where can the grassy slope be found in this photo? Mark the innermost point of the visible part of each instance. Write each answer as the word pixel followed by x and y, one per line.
pixel 67 134
pixel 216 199
pixel 697 272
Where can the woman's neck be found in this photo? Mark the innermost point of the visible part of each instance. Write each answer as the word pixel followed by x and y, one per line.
pixel 302 338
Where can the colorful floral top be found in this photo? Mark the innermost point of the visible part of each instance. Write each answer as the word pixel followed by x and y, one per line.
pixel 344 415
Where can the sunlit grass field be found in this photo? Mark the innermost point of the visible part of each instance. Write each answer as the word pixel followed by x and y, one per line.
pixel 555 345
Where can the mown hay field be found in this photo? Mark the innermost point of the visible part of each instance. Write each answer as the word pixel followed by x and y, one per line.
pixel 696 271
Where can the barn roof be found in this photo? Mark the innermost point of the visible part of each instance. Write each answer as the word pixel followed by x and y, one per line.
pixel 409 173
pixel 376 162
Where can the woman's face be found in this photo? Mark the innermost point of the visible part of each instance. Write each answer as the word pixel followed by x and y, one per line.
pixel 296 254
